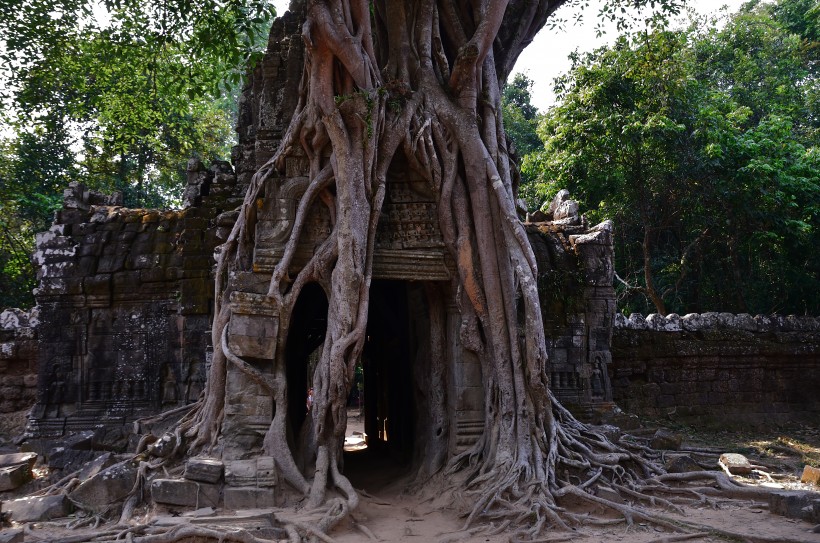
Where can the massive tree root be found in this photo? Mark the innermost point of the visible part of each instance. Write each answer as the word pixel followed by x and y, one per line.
pixel 420 80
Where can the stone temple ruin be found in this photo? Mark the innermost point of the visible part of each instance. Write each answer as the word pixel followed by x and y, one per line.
pixel 125 305
pixel 125 298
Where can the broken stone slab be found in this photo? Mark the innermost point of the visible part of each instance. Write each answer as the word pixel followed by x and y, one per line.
pixel 12 536
pixel 201 512
pixel 35 509
pixel 682 463
pixel 810 475
pixel 666 440
pixel 14 459
pixel 184 493
pixel 69 460
pixel 248 497
pixel 12 477
pixel 796 504
pixel 95 466
pixel 734 463
pixel 204 470
pixel 105 489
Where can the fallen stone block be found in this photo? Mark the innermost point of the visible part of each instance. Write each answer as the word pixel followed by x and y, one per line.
pixel 69 460
pixel 12 536
pixel 796 504
pixel 248 497
pixel 184 493
pixel 682 463
pixel 34 509
pixel 105 489
pixel 810 475
pixel 666 440
pixel 15 459
pixel 92 468
pixel 163 447
pixel 734 463
pixel 204 470
pixel 12 477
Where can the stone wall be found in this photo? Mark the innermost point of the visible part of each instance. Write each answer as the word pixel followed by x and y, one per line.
pixel 718 368
pixel 575 273
pixel 18 360
pixel 125 297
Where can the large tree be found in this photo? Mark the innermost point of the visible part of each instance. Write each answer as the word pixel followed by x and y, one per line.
pixel 417 81
pixel 420 79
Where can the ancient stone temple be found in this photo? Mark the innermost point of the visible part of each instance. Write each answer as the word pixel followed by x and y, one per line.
pixel 126 296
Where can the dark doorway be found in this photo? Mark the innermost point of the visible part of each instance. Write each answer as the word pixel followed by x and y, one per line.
pixel 389 417
pixel 306 335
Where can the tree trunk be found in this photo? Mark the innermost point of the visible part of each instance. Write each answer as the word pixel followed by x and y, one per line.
pixel 419 78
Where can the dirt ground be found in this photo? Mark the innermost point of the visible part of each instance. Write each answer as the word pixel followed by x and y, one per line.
pixel 392 514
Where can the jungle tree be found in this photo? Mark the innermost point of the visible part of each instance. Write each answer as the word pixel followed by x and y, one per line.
pixel 419 80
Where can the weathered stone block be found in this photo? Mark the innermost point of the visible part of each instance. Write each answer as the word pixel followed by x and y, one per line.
pixel 12 477
pixel 664 439
pixel 734 463
pixel 204 470
pixel 796 504
pixel 39 508
pixel 810 475
pixel 682 463
pixel 256 472
pixel 106 488
pixel 184 493
pixel 253 336
pixel 245 497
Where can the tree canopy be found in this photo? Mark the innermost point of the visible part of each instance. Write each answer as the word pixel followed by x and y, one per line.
pixel 701 144
pixel 117 95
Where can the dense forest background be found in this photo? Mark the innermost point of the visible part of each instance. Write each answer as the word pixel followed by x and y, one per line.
pixel 700 143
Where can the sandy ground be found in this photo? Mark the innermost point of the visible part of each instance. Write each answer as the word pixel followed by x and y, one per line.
pixel 394 517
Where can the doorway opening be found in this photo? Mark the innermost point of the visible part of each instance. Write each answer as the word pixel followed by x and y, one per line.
pixel 306 336
pixel 382 402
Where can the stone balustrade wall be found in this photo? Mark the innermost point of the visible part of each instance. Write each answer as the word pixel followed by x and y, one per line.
pixel 718 368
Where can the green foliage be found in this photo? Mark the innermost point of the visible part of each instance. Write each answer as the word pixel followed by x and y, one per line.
pixel 119 95
pixel 520 116
pixel 626 14
pixel 702 145
pixel 521 124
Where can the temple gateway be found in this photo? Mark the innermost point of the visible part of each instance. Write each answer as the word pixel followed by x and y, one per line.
pixel 126 298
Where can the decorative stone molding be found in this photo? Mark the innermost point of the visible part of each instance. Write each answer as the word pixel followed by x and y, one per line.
pixel 694 322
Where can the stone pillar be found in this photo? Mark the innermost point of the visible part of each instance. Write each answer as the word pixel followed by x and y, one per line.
pixel 252 336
